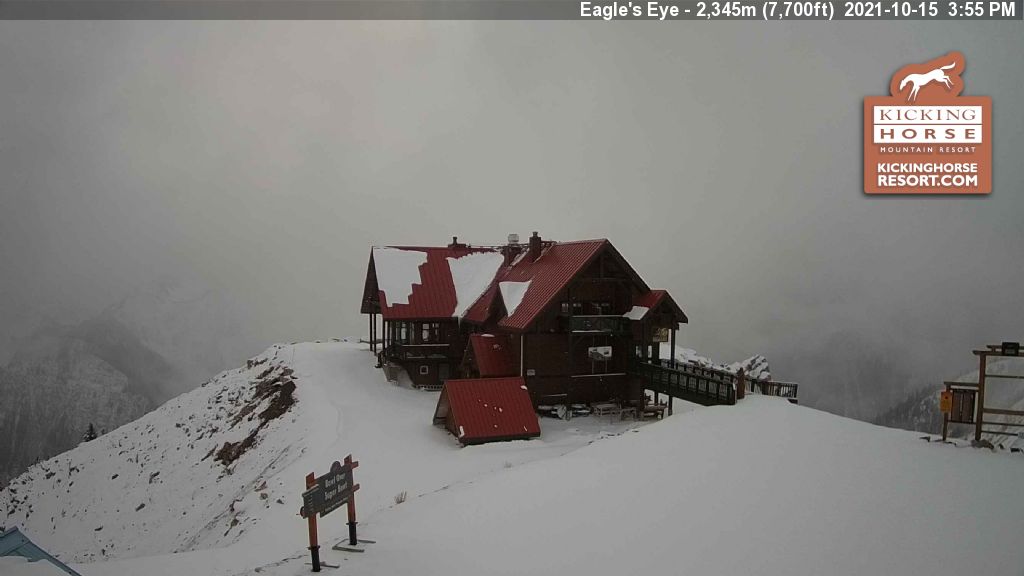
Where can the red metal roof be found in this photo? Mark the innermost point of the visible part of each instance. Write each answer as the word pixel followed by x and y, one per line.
pixel 434 297
pixel 650 300
pixel 654 298
pixel 480 311
pixel 489 409
pixel 557 265
pixel 493 354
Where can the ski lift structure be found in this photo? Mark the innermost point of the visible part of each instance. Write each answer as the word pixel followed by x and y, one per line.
pixel 964 402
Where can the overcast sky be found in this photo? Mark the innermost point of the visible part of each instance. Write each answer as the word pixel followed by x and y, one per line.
pixel 722 159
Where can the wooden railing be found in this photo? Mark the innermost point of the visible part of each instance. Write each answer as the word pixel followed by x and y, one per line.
pixel 608 324
pixel 686 381
pixel 769 388
pixel 708 384
pixel 410 351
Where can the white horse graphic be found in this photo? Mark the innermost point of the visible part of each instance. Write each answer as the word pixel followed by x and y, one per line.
pixel 919 80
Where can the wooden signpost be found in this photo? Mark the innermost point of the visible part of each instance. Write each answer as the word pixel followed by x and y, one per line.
pixel 326 494
pixel 966 402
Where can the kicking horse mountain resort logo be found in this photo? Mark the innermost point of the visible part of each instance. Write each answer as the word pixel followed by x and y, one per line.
pixel 925 138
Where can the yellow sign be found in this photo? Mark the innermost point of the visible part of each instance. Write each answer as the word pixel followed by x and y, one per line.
pixel 946 401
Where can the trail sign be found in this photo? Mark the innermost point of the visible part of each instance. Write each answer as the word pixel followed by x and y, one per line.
pixel 326 494
pixel 331 491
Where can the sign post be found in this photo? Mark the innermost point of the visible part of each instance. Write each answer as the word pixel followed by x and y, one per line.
pixel 352 540
pixel 314 547
pixel 326 494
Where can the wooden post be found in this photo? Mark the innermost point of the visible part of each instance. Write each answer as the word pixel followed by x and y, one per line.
pixel 672 351
pixel 980 408
pixel 352 540
pixel 314 547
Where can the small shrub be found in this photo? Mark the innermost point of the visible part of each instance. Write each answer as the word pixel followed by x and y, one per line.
pixel 400 497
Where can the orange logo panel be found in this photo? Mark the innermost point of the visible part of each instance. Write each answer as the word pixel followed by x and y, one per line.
pixel 925 138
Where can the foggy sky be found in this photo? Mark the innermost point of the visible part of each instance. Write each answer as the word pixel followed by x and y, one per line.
pixel 262 160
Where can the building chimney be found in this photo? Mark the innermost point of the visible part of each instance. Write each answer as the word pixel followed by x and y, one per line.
pixel 455 243
pixel 534 247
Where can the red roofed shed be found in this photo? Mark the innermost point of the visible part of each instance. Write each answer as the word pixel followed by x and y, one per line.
pixel 484 410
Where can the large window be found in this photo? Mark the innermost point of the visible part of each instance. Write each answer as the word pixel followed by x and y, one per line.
pixel 430 332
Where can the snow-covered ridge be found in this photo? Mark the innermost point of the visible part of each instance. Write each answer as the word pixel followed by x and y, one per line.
pixel 224 465
pixel 177 478
pixel 755 367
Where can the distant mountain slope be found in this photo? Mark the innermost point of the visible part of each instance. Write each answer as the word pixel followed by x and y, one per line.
pixel 157 342
pixel 198 330
pixel 64 379
pixel 918 412
pixel 111 496
pixel 862 379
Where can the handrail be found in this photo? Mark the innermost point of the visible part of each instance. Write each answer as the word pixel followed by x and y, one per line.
pixel 759 386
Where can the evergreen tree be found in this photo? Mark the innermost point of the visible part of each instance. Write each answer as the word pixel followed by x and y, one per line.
pixel 90 434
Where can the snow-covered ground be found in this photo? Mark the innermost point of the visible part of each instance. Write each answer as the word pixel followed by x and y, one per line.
pixel 764 487
pixel 154 486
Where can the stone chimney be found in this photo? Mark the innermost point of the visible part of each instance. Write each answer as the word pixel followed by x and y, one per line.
pixel 535 245
pixel 455 243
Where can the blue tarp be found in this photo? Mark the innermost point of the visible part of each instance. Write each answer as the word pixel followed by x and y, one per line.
pixel 14 543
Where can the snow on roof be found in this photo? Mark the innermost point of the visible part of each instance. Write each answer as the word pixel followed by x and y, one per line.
pixel 512 294
pixel 397 271
pixel 637 313
pixel 471 275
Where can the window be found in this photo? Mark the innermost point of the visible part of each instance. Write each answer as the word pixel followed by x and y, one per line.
pixel 430 332
pixel 575 308
pixel 424 369
pixel 403 332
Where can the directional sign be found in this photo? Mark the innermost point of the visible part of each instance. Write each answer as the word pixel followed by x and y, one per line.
pixel 325 494
pixel 331 491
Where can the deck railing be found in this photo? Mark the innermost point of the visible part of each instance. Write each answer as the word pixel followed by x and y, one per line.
pixel 711 384
pixel 609 324
pixel 686 381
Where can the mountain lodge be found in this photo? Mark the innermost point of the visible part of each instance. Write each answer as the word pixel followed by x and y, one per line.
pixel 565 317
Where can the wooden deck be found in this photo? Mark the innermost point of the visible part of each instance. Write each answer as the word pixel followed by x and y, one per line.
pixel 705 386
